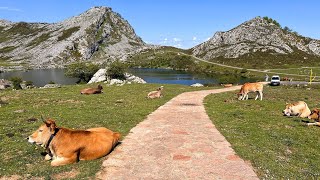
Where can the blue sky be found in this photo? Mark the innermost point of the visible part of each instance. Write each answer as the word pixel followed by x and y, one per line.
pixel 180 23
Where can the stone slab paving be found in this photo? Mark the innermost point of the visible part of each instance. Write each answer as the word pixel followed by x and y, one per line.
pixel 177 141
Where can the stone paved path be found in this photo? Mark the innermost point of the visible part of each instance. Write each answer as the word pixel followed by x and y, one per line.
pixel 177 141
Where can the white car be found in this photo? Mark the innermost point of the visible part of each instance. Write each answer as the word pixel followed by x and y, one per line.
pixel 275 80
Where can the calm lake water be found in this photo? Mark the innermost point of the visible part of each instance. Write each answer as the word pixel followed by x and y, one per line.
pixel 41 77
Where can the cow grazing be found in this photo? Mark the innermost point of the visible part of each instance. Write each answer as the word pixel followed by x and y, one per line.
pixel 250 87
pixel 156 94
pixel 315 115
pixel 97 90
pixel 299 109
pixel 226 85
pixel 66 146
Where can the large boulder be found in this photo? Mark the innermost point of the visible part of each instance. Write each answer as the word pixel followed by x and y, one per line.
pixel 99 76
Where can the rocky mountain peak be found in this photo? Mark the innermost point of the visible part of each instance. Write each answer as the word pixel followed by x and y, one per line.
pixel 256 35
pixel 99 34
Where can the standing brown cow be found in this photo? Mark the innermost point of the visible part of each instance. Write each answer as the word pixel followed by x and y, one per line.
pixel 250 87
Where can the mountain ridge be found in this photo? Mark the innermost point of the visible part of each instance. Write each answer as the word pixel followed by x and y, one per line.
pixel 257 34
pixel 98 33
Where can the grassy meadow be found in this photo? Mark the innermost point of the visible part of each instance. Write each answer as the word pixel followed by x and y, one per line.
pixel 278 147
pixel 118 108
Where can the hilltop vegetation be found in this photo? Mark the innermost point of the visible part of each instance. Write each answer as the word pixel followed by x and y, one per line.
pixel 177 59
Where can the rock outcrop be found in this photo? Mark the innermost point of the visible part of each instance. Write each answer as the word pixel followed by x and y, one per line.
pixel 98 34
pixel 101 76
pixel 256 35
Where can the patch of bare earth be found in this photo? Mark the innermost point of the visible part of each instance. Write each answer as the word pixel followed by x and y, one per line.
pixel 70 175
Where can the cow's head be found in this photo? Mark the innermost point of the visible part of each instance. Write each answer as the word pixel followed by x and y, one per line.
pixel 100 87
pixel 43 133
pixel 315 113
pixel 240 95
pixel 287 111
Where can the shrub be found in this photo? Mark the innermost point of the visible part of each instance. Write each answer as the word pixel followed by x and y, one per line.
pixel 16 81
pixel 28 83
pixel 243 71
pixel 116 70
pixel 51 82
pixel 83 71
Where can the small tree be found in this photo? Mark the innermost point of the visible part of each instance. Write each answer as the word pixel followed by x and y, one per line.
pixel 116 70
pixel 16 81
pixel 83 71
pixel 287 29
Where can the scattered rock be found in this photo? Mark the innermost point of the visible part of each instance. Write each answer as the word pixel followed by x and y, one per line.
pixel 134 79
pixel 52 86
pixel 197 85
pixel 117 82
pixel 119 101
pixel 20 111
pixel 5 84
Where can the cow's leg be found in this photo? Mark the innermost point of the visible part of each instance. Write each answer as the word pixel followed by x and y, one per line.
pixel 47 157
pixel 243 97
pixel 314 124
pixel 257 96
pixel 261 95
pixel 247 96
pixel 59 161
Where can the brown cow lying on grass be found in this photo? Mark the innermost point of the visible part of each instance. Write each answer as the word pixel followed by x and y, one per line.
pixel 97 90
pixel 315 115
pixel 156 94
pixel 299 109
pixel 250 87
pixel 66 146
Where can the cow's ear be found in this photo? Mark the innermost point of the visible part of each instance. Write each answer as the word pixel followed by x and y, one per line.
pixel 287 103
pixel 51 124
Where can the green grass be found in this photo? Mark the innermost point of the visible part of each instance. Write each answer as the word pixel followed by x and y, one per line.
pixel 269 60
pixel 7 49
pixel 38 40
pixel 67 33
pixel 278 147
pixel 118 108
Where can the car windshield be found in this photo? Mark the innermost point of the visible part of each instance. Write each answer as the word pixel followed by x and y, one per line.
pixel 275 78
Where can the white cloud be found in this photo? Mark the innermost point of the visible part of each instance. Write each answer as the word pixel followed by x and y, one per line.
pixel 165 39
pixel 176 39
pixel 10 9
pixel 194 38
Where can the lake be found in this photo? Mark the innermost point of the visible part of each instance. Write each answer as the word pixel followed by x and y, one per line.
pixel 41 77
